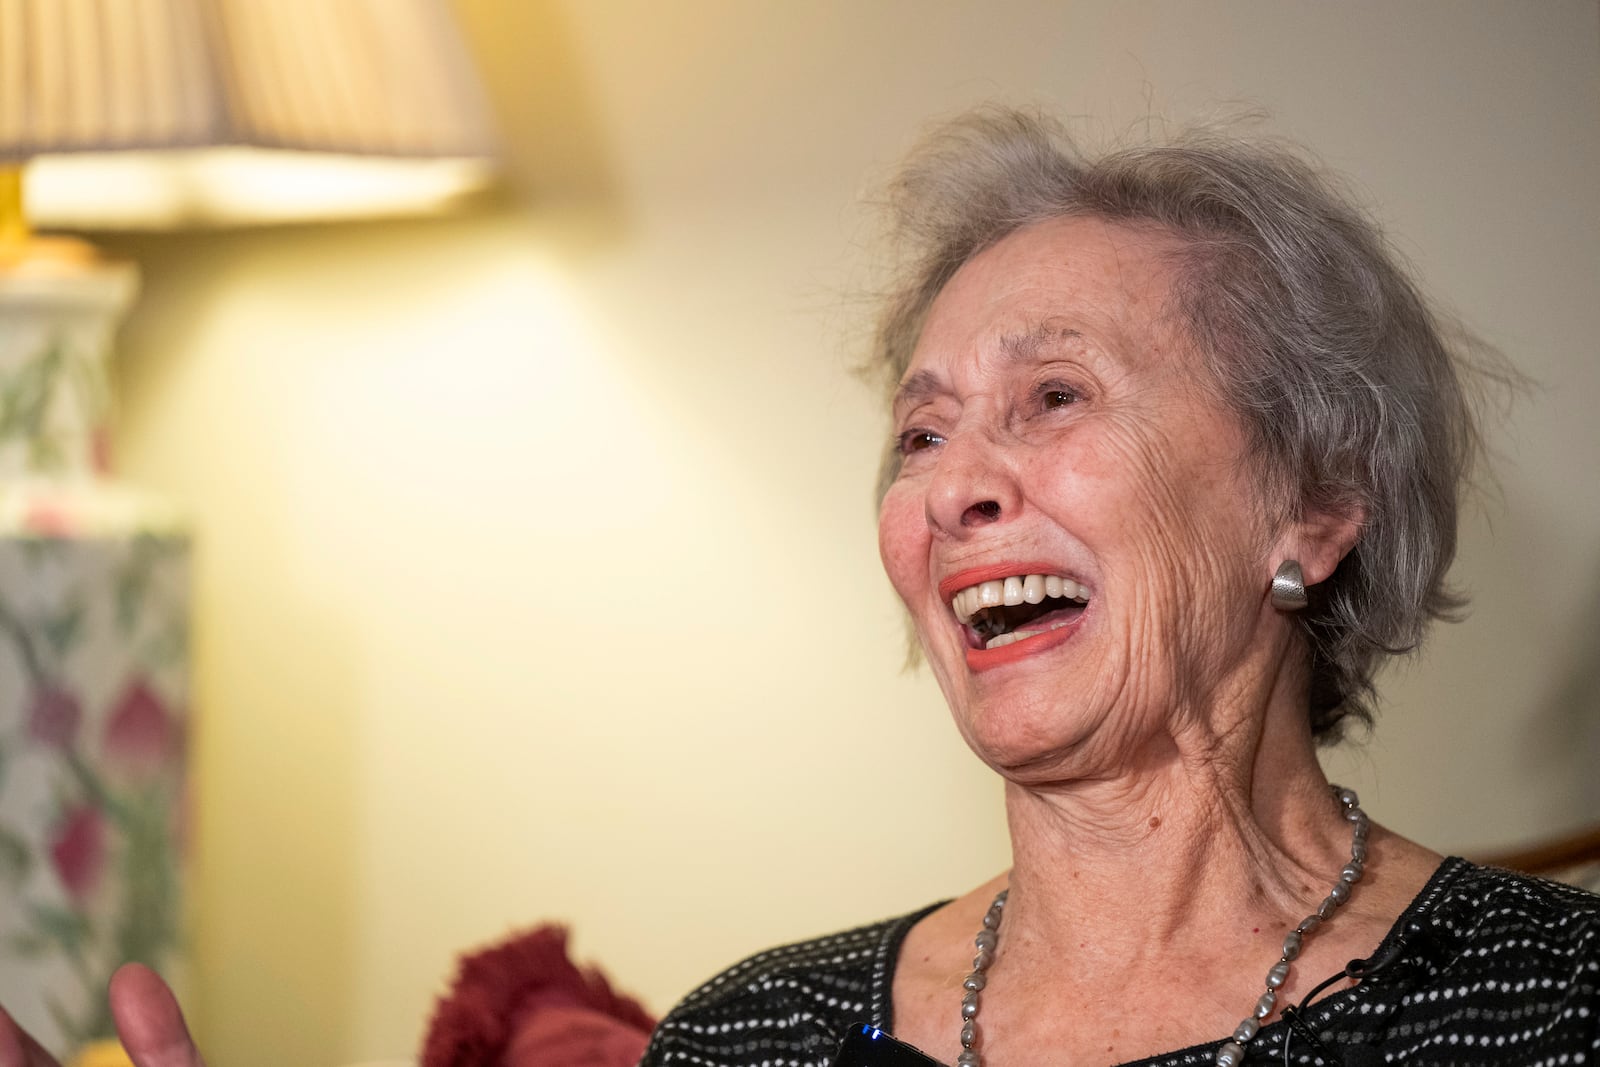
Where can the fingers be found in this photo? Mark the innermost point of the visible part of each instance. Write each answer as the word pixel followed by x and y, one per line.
pixel 149 1021
pixel 18 1048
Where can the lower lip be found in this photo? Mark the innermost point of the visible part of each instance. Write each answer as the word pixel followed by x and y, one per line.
pixel 987 659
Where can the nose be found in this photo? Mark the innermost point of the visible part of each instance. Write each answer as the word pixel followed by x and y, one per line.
pixel 971 488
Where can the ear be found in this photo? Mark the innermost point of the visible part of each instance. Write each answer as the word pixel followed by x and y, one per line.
pixel 1320 538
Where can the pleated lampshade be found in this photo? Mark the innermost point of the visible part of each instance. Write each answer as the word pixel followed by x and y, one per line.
pixel 162 113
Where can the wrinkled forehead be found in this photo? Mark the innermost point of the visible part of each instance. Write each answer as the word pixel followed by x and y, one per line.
pixel 1063 288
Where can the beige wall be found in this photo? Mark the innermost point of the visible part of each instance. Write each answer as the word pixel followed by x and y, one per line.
pixel 536 569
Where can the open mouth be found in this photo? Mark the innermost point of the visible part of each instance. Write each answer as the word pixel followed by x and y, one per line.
pixel 1006 610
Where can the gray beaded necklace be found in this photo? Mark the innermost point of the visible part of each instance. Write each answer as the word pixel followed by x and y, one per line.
pixel 1231 1054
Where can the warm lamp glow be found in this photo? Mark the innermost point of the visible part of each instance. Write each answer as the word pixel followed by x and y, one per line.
pixel 238 186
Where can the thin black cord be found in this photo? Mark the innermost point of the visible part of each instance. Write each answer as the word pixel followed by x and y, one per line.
pixel 1360 970
pixel 1357 969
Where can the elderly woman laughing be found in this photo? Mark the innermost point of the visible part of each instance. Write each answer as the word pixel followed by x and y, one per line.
pixel 1174 467
pixel 1175 460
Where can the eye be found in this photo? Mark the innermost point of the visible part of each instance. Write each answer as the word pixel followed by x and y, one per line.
pixel 912 441
pixel 1056 395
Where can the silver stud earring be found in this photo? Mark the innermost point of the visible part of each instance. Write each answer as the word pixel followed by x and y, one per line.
pixel 1289 587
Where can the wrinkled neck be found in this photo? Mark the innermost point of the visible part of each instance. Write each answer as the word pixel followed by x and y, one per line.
pixel 1227 816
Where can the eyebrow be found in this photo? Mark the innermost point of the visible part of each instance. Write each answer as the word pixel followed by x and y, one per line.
pixel 1025 347
pixel 1022 347
pixel 916 388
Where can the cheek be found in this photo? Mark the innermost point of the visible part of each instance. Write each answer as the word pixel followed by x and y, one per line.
pixel 1094 485
pixel 903 542
pixel 1186 540
pixel 1168 490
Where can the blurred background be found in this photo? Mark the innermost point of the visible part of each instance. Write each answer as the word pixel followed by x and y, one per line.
pixel 535 572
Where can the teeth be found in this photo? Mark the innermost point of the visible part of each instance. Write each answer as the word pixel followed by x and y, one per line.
pixel 1018 589
pixel 1017 635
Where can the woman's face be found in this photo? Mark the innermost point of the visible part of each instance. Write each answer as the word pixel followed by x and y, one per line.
pixel 1060 447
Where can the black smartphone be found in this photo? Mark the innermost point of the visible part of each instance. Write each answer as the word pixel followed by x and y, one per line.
pixel 867 1046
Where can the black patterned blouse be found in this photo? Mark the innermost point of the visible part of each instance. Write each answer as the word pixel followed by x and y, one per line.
pixel 1484 967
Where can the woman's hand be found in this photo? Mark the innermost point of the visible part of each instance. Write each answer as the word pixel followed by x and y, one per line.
pixel 148 1020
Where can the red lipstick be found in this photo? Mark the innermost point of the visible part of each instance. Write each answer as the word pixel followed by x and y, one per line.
pixel 993 572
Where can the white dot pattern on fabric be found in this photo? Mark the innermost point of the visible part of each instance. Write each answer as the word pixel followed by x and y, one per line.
pixel 1486 967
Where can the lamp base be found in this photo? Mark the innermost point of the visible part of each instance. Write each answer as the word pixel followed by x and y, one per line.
pixel 37 256
pixel 93 725
pixel 93 661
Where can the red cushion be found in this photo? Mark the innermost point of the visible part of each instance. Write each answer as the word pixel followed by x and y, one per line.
pixel 523 1002
pixel 574 1037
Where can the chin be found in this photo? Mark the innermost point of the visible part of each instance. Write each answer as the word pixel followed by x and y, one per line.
pixel 1028 742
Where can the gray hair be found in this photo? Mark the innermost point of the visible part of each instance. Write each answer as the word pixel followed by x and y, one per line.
pixel 1353 400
